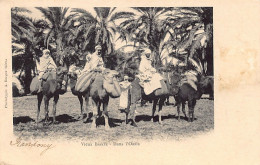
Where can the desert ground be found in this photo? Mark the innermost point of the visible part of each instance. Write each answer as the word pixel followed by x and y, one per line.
pixel 72 129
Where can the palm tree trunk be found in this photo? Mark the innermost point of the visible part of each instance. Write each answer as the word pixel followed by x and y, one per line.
pixel 59 48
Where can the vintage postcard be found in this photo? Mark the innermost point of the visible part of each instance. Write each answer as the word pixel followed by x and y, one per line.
pixel 130 82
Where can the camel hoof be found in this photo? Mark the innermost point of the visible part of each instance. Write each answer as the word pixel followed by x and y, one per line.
pixel 134 124
pixel 160 122
pixel 46 123
pixel 85 120
pixel 55 122
pixel 80 117
pixel 107 128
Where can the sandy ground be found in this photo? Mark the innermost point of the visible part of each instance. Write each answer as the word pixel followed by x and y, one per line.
pixel 70 128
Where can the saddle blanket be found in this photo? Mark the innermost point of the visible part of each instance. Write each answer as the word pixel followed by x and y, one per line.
pixel 84 81
pixel 190 78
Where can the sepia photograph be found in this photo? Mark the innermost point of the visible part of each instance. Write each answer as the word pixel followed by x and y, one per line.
pixel 129 82
pixel 111 73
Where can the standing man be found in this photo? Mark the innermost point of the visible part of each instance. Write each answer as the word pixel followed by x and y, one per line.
pixel 46 64
pixel 124 97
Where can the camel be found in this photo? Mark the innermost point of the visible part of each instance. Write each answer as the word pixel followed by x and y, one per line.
pixel 52 87
pixel 188 93
pixel 104 86
pixel 137 93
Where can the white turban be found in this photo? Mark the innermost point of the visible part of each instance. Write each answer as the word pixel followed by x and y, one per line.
pixel 46 51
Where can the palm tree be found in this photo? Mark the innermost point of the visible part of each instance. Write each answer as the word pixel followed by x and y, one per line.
pixel 98 29
pixel 58 25
pixel 148 29
pixel 32 40
pixel 193 27
pixel 19 22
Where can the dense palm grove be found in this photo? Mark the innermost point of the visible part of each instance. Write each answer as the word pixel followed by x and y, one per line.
pixel 73 32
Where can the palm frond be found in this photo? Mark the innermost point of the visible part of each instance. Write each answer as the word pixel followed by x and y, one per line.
pixel 47 14
pixel 20 10
pixel 119 15
pixel 112 10
pixel 48 36
pixel 64 11
pixel 84 13
pixel 187 42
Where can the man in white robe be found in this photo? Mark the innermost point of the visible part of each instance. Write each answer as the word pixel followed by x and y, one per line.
pixel 149 78
pixel 94 61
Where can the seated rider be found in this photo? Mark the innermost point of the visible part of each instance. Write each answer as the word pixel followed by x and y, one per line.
pixel 94 61
pixel 149 77
pixel 46 64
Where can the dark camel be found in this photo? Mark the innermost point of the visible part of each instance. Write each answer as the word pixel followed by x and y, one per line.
pixel 186 93
pixel 53 86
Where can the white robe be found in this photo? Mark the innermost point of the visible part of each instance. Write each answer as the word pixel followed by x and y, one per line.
pixel 46 62
pixel 123 101
pixel 94 62
pixel 147 72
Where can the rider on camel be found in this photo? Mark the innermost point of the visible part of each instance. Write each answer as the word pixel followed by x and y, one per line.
pixel 46 64
pixel 150 79
pixel 94 61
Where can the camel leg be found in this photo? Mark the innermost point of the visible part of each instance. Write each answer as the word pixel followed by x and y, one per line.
pixel 192 110
pixel 105 113
pixel 178 110
pixel 39 97
pixel 95 114
pixel 46 103
pixel 178 104
pixel 183 109
pixel 161 102
pixel 154 109
pixel 88 104
pixel 86 107
pixel 81 106
pixel 55 101
pixel 190 104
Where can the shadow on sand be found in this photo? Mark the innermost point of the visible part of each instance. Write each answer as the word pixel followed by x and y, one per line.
pixel 112 121
pixel 156 118
pixel 64 118
pixel 22 119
